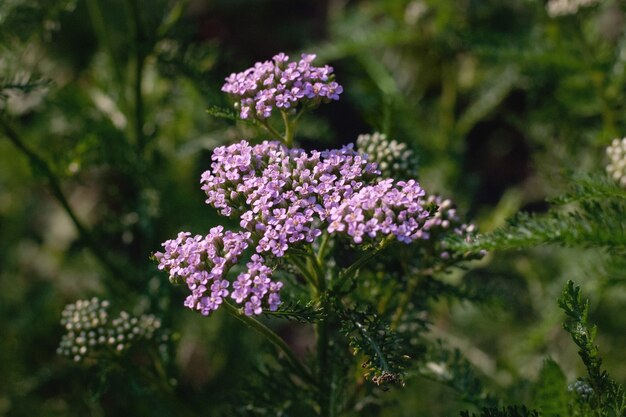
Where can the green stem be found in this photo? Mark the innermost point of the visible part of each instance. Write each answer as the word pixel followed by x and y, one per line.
pixel 311 279
pixel 172 18
pixel 300 113
pixel 273 338
pixel 139 107
pixel 323 332
pixel 404 302
pixel 321 252
pixel 289 129
pixel 324 371
pixel 317 268
pixel 140 58
pixel 352 269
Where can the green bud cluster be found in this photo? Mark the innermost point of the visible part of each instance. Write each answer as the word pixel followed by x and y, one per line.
pixel 394 159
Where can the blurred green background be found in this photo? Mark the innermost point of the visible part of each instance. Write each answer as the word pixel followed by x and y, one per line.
pixel 105 132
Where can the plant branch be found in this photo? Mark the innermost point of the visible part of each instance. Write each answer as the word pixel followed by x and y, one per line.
pixel 140 58
pixel 305 271
pixel 404 302
pixel 289 129
pixel 352 269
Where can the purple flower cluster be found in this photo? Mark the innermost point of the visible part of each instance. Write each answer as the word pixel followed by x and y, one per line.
pixel 383 208
pixel 285 197
pixel 202 262
pixel 281 84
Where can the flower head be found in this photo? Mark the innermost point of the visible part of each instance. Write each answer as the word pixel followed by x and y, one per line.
pixel 281 84
pixel 285 198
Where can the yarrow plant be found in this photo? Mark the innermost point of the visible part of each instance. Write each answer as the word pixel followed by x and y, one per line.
pixel 286 198
pixel 311 222
pixel 90 331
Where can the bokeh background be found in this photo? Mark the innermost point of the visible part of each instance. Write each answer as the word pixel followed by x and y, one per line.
pixel 105 132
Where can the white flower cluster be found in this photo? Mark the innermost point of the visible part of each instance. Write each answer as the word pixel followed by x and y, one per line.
pixel 89 330
pixel 557 8
pixel 394 159
pixel 617 165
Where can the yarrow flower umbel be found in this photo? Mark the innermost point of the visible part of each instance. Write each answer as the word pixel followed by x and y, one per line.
pixel 281 84
pixel 284 198
pixel 89 330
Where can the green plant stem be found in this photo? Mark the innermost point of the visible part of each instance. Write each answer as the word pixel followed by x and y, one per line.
pixel 140 57
pixel 140 137
pixel 323 332
pixel 266 332
pixel 405 299
pixel 324 371
pixel 311 278
pixel 352 269
pixel 316 264
pixel 321 252
pixel 172 18
pixel 289 129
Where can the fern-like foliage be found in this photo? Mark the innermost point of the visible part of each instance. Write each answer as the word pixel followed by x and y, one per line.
pixel 597 220
pixel 371 336
pixel 510 411
pixel 452 369
pixel 550 391
pixel 272 390
pixel 605 394
pixel 591 187
pixel 222 113
pixel 311 312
